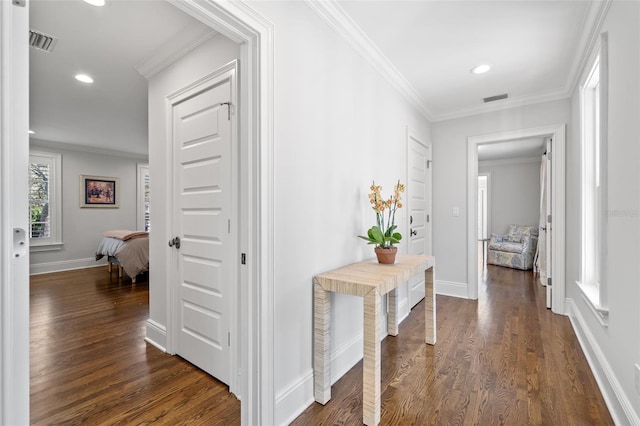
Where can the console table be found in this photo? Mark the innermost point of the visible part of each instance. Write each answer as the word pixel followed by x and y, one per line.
pixel 369 280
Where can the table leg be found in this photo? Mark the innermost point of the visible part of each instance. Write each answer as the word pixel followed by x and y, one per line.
pixel 392 319
pixel 321 344
pixel 371 363
pixel 429 307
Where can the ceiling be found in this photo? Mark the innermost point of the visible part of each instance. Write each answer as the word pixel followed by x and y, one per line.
pixel 532 47
pixel 109 43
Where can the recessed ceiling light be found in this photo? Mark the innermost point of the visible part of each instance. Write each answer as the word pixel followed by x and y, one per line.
pixel 480 69
pixel 31 132
pixel 84 78
pixel 95 2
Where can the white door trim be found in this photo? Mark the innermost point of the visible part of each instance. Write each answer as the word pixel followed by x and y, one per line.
pixel 488 175
pixel 557 131
pixel 14 257
pixel 254 33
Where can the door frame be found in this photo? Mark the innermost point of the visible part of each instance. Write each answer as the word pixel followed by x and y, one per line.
pixel 14 179
pixel 204 83
pixel 488 175
pixel 558 133
pixel 254 33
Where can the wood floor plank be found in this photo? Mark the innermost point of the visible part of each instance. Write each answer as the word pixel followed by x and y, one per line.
pixel 90 364
pixel 504 359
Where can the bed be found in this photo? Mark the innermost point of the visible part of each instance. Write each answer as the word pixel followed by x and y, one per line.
pixel 128 250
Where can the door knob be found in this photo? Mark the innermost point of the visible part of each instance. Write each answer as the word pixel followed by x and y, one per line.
pixel 175 242
pixel 413 232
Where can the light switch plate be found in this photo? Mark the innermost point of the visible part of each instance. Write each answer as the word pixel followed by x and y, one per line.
pixel 456 211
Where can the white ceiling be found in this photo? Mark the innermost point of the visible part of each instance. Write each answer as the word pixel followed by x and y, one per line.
pixel 532 47
pixel 108 43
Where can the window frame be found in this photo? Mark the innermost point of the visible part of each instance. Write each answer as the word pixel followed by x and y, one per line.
pixel 593 179
pixel 54 241
pixel 143 173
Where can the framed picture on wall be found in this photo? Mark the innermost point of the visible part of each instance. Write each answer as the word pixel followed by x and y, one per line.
pixel 99 191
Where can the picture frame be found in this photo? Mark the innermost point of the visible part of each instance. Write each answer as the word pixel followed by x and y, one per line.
pixel 99 192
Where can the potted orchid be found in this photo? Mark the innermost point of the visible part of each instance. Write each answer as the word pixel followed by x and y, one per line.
pixel 384 234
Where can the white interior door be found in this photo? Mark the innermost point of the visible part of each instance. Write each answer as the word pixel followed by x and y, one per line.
pixel 419 197
pixel 14 207
pixel 549 218
pixel 203 200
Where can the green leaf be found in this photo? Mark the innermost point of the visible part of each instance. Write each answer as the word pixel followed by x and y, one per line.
pixel 397 236
pixel 376 234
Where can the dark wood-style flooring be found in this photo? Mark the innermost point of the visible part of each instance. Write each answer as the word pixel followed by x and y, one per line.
pixel 91 366
pixel 503 360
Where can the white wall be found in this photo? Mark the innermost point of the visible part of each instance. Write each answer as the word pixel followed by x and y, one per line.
pixel 613 350
pixel 450 176
pixel 82 227
pixel 514 192
pixel 337 125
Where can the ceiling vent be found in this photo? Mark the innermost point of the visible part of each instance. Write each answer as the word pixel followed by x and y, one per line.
pixel 495 98
pixel 41 41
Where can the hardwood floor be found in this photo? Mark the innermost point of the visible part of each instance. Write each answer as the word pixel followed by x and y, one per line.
pixel 90 364
pixel 503 360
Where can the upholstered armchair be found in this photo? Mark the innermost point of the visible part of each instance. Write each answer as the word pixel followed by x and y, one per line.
pixel 514 250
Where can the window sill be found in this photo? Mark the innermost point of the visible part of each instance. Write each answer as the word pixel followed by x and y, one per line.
pixel 41 247
pixel 591 296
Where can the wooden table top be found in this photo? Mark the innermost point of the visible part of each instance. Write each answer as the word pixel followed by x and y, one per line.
pixel 358 279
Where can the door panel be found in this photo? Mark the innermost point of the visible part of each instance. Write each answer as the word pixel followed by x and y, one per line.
pixel 202 210
pixel 419 197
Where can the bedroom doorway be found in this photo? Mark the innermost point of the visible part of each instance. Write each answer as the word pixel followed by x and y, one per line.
pixel 555 234
pixel 254 34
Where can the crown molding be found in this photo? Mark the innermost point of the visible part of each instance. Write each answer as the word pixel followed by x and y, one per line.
pixel 591 27
pixel 333 14
pixel 521 101
pixel 174 49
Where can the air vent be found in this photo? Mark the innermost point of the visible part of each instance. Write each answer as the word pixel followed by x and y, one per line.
pixel 495 98
pixel 41 41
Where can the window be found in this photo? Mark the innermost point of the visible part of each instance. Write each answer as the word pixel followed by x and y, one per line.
pixel 144 204
pixel 594 172
pixel 45 217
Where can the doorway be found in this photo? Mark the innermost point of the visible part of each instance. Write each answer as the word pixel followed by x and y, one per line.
pixel 239 23
pixel 557 134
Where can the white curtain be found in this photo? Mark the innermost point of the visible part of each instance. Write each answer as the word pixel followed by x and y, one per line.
pixel 540 258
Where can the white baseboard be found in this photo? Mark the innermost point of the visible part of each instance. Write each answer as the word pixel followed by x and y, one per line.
pixel 453 289
pixel 65 265
pixel 620 407
pixel 156 335
pixel 293 400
